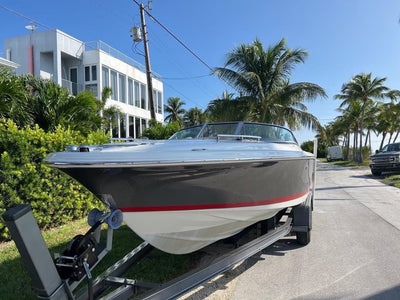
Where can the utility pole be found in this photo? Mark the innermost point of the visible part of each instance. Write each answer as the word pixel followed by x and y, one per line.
pixel 148 68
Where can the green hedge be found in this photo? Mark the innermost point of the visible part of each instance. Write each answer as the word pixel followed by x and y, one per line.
pixel 55 198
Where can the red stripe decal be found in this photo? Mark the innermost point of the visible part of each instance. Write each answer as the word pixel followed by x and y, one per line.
pixel 211 206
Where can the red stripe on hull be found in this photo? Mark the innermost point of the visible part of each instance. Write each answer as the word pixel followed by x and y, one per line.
pixel 212 206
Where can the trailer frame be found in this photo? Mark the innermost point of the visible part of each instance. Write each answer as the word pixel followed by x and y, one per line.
pixel 50 286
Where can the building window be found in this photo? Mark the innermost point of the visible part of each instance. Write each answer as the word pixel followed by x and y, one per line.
pixel 137 94
pixel 159 102
pixel 137 127
pixel 73 76
pixel 93 88
pixel 130 91
pixel 154 100
pixel 143 125
pixel 91 73
pixel 131 126
pixel 122 126
pixel 157 98
pixel 114 85
pixel 122 92
pixel 94 73
pixel 143 96
pixel 106 77
pixel 114 125
pixel 87 73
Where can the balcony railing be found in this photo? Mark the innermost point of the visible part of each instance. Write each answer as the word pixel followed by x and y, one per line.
pixel 100 45
pixel 72 87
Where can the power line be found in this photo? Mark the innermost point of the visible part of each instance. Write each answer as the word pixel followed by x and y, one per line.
pixel 184 96
pixel 176 38
pixel 163 48
pixel 25 17
pixel 183 44
pixel 185 78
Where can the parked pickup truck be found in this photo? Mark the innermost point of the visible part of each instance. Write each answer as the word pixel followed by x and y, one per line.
pixel 386 160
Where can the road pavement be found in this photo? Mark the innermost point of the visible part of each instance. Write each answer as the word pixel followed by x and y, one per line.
pixel 354 251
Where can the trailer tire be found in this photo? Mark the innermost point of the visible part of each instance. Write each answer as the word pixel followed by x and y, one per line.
pixel 303 238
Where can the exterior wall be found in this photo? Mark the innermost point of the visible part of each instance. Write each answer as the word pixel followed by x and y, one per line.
pixel 63 58
pixel 17 48
pixel 52 43
pixel 46 65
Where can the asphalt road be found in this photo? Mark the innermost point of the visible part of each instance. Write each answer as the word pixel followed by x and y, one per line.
pixel 354 251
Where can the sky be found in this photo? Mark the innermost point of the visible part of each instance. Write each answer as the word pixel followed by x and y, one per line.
pixel 342 37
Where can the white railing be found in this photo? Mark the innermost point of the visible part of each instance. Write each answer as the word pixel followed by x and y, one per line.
pixel 72 87
pixel 100 45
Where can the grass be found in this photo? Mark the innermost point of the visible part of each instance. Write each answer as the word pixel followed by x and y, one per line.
pixel 157 267
pixel 393 180
pixel 350 164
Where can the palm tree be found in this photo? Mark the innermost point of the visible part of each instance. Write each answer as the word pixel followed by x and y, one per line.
pixel 174 110
pixel 51 105
pixel 262 77
pixel 14 97
pixel 330 134
pixel 110 113
pixel 383 117
pixel 365 89
pixel 350 119
pixel 194 116
pixel 227 108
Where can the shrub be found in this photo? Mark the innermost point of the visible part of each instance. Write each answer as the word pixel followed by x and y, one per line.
pixel 309 147
pixel 55 198
pixel 157 131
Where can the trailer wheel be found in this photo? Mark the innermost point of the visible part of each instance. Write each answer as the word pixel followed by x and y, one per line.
pixel 303 238
pixel 302 221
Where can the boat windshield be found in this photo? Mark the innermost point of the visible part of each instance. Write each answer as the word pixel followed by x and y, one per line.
pixel 265 132
pixel 212 130
pixel 187 133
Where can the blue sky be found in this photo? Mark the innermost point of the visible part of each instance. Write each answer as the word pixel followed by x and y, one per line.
pixel 343 38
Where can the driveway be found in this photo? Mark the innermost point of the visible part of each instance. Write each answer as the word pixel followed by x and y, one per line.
pixel 354 251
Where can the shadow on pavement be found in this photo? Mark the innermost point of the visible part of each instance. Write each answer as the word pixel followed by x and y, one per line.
pixel 347 187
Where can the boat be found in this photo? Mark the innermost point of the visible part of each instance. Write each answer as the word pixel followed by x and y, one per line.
pixel 205 183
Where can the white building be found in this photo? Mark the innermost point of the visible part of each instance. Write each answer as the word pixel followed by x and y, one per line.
pixel 78 66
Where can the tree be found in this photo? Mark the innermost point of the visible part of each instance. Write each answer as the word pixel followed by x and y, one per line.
pixel 194 116
pixel 157 131
pixel 309 147
pixel 262 77
pixel 174 110
pixel 14 96
pixel 365 89
pixel 330 134
pixel 110 113
pixel 227 108
pixel 387 120
pixel 51 105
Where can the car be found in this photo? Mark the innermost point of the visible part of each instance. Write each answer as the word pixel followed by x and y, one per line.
pixel 386 160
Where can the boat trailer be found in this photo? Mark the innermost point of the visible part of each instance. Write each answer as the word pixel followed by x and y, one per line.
pixel 58 278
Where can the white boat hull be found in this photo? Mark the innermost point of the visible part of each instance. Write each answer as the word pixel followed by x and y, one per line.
pixel 185 231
